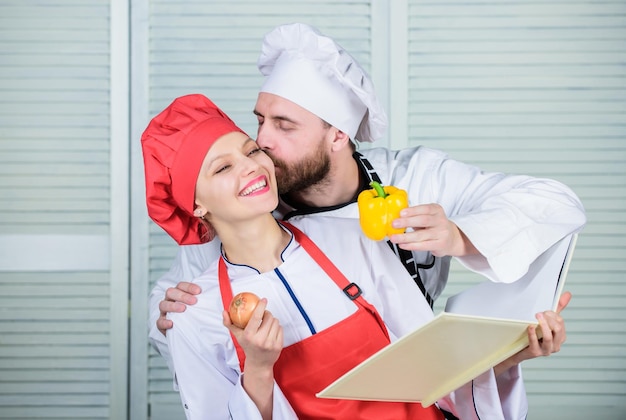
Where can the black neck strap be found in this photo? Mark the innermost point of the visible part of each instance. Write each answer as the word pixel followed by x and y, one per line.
pixel 406 257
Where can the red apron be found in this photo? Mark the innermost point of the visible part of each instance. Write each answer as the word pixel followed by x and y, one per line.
pixel 307 367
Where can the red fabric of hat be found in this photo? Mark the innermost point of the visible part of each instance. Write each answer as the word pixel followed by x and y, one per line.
pixel 174 146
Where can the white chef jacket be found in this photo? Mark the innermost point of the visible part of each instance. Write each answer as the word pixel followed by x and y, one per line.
pixel 205 359
pixel 510 219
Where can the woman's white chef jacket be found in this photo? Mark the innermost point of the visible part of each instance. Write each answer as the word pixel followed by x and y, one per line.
pixel 205 360
pixel 511 219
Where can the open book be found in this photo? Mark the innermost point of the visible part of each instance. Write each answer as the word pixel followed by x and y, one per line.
pixel 479 328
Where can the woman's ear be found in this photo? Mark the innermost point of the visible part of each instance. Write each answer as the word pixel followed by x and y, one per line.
pixel 199 211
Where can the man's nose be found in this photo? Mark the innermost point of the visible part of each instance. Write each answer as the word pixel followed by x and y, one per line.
pixel 263 137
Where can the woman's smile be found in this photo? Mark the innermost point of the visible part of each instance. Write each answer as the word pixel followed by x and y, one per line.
pixel 256 186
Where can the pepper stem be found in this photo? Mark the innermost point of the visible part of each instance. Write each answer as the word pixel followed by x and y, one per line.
pixel 379 189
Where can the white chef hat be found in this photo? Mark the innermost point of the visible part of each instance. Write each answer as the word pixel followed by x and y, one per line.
pixel 314 72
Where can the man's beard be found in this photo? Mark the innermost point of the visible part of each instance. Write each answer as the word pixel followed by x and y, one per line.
pixel 309 171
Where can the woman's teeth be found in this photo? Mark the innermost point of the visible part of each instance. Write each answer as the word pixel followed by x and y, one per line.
pixel 254 187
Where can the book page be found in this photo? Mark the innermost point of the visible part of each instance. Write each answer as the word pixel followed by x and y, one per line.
pixel 537 291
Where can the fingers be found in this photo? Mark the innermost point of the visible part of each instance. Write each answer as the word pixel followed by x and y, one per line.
pixel 165 307
pixel 269 332
pixel 264 326
pixel 423 234
pixel 258 313
pixel 164 324
pixel 555 325
pixel 417 217
pixel 547 340
pixel 416 241
pixel 564 300
pixel 183 292
pixel 431 230
pixel 534 345
pixel 263 331
pixel 552 330
pixel 176 300
pixel 256 322
pixel 547 337
pixel 177 297
pixel 188 287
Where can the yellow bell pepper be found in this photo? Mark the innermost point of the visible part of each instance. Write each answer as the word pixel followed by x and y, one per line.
pixel 378 207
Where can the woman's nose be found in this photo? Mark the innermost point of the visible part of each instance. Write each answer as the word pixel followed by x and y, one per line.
pixel 249 165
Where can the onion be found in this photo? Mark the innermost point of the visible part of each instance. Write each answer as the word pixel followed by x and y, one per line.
pixel 241 308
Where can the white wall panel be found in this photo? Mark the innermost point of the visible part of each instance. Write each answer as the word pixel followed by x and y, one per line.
pixel 63 341
pixel 540 88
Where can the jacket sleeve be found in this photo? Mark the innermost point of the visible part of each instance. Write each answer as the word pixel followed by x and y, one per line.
pixel 510 219
pixel 190 262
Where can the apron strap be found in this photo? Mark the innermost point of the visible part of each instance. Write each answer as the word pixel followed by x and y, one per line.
pixel 227 296
pixel 350 289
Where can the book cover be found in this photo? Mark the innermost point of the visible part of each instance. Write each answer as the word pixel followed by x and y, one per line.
pixel 479 328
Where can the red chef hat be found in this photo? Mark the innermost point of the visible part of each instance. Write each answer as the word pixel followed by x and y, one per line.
pixel 174 146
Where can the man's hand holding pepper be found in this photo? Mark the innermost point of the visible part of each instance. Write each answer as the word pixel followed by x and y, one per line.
pixel 176 300
pixel 431 231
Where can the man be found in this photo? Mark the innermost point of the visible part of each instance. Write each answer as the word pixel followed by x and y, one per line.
pixel 316 100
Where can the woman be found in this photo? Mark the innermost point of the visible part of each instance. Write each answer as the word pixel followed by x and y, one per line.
pixel 204 176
